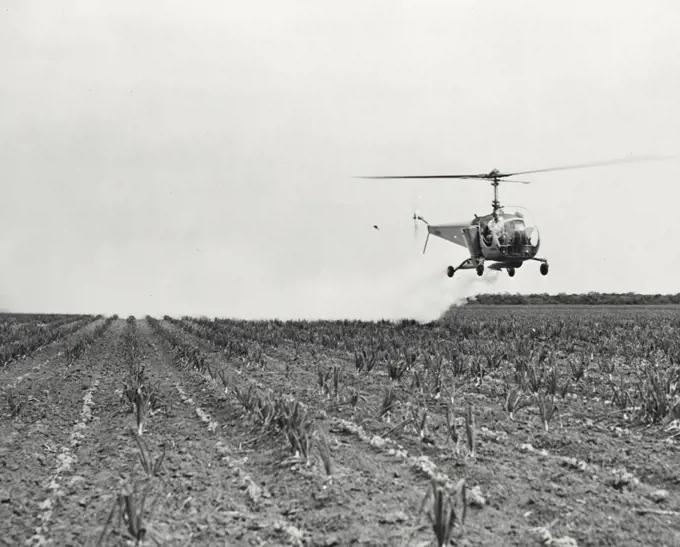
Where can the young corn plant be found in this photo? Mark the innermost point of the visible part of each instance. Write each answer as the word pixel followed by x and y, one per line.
pixel 447 510
pixel 225 381
pixel 281 415
pixel 419 420
pixel 416 417
pixel 73 352
pixel 325 454
pixel 323 379
pixel 150 465
pixel 299 427
pixel 564 389
pixel 451 429
pixel 620 393
pixel 410 357
pixel 470 432
pixel 520 374
pixel 658 393
pixel 142 409
pixel 534 377
pixel 546 409
pixel 131 514
pixel 434 367
pixel 336 382
pixel 552 381
pixel 456 362
pixel 578 368
pixel 515 401
pixel 388 404
pixel 396 369
pixel 365 360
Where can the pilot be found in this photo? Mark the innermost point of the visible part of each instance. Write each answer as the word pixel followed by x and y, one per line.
pixel 518 237
pixel 486 232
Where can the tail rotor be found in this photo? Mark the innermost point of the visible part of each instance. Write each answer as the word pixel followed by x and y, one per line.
pixel 416 215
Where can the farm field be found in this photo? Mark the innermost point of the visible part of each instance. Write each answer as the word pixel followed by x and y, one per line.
pixel 532 425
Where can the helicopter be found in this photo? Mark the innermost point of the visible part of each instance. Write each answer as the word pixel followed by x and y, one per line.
pixel 508 236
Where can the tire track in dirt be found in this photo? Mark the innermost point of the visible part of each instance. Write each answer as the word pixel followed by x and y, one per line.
pixel 37 448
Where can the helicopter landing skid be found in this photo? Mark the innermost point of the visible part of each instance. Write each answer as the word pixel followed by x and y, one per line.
pixel 472 264
pixel 467 264
pixel 544 264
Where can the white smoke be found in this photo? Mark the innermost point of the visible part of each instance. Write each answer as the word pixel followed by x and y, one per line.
pixel 425 296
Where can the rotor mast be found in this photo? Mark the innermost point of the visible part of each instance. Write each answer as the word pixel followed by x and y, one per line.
pixel 495 203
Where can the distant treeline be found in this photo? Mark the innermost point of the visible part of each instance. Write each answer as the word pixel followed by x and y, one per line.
pixel 586 299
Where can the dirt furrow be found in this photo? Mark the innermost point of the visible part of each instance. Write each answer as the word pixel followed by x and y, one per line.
pixel 206 497
pixel 105 456
pixel 372 498
pixel 38 446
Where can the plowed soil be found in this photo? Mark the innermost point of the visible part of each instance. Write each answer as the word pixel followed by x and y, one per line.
pixel 69 456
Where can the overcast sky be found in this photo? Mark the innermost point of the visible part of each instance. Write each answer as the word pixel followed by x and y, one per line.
pixel 165 157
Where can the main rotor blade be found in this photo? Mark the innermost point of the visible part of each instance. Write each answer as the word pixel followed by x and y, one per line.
pixel 427 177
pixel 632 159
pixel 495 174
pixel 475 177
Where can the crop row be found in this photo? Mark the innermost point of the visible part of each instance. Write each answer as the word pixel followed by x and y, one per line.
pixel 72 352
pixel 13 331
pixel 142 396
pixel 639 333
pixel 279 413
pixel 76 349
pixel 35 337
pixel 526 370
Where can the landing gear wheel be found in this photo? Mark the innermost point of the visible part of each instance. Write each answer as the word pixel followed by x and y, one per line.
pixel 511 272
pixel 544 269
pixel 450 271
pixel 480 270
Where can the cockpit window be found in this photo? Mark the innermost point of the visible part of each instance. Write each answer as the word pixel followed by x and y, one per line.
pixel 513 227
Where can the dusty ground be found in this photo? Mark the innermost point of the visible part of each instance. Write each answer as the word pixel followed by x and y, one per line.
pixel 598 476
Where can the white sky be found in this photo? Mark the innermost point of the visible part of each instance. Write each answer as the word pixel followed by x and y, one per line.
pixel 165 157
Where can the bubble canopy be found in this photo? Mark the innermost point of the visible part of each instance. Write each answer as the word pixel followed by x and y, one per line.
pixel 515 226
